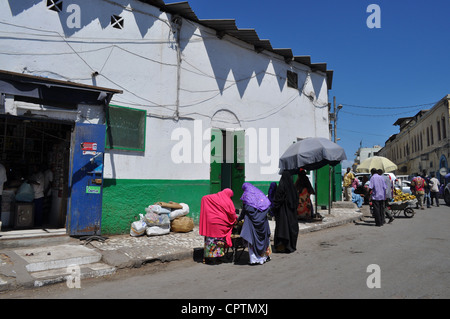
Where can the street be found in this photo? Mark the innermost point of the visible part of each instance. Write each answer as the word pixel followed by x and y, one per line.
pixel 406 259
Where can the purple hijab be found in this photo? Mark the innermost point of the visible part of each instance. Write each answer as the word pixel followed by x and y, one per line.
pixel 254 197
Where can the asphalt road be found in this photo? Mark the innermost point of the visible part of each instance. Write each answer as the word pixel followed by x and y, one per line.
pixel 406 259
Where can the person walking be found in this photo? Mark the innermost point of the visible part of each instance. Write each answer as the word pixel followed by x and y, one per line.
pixel 418 189
pixel 348 180
pixel 389 195
pixel 434 190
pixel 378 187
pixel 426 188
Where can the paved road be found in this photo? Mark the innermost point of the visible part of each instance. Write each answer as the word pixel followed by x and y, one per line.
pixel 412 256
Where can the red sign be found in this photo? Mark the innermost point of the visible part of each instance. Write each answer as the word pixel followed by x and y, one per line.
pixel 86 146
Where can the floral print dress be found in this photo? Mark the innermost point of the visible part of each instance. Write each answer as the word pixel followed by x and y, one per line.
pixel 215 247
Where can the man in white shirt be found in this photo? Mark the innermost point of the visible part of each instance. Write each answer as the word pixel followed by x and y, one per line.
pixel 434 191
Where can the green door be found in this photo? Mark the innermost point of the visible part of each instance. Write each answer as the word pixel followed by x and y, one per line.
pixel 215 175
pixel 337 183
pixel 228 171
pixel 323 185
pixel 238 167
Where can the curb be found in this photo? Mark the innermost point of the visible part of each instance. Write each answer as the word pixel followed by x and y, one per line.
pixel 15 274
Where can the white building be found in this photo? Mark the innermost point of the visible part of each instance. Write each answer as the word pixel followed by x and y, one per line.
pixel 364 153
pixel 177 82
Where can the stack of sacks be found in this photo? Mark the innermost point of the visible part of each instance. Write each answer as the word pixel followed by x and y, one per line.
pixel 158 218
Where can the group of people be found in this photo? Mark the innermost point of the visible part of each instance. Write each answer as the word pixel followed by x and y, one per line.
pixel 426 189
pixel 380 191
pixel 218 218
pixel 36 188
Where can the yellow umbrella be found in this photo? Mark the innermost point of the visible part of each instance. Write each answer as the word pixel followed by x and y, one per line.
pixel 378 162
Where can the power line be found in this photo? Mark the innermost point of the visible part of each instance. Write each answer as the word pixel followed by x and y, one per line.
pixel 388 107
pixel 377 115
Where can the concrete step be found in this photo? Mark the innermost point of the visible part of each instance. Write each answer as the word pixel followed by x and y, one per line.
pixel 58 263
pixel 33 237
pixel 54 257
pixel 70 274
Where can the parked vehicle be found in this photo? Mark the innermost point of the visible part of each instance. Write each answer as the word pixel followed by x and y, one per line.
pixel 445 191
pixel 361 175
pixel 405 186
pixel 447 194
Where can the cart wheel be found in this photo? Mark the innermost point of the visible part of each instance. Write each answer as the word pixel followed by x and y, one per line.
pixel 409 212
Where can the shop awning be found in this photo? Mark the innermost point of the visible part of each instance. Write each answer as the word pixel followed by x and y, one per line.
pixel 50 91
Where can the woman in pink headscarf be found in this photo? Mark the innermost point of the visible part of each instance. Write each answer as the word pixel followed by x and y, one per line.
pixel 217 218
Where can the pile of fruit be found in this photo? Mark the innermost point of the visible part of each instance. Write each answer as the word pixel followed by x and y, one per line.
pixel 399 196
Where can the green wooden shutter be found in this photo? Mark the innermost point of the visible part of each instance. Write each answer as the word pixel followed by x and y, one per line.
pixel 216 161
pixel 238 171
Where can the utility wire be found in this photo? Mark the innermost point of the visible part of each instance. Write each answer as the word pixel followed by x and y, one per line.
pixel 389 107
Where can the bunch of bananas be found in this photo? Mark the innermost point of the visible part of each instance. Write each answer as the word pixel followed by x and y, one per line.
pixel 399 196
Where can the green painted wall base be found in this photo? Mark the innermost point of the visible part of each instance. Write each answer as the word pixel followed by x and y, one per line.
pixel 125 199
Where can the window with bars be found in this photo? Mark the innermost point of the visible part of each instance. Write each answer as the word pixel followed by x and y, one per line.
pixel 117 21
pixel 292 79
pixel 55 5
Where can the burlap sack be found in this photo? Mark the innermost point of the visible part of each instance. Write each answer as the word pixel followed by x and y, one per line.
pixel 182 224
pixel 170 205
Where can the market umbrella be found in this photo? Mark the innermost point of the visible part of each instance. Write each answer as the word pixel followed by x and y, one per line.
pixel 311 153
pixel 378 162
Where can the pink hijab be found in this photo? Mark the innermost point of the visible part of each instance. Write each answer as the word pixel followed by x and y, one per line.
pixel 217 215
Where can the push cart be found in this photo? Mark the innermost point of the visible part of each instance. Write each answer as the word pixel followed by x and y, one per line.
pixel 403 206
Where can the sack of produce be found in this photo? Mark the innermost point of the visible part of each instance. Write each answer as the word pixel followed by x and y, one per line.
pixel 182 224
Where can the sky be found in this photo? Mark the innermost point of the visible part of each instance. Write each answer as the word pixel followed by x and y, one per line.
pixel 380 74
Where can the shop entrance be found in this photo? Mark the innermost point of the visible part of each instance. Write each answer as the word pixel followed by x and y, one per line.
pixel 35 154
pixel 227 168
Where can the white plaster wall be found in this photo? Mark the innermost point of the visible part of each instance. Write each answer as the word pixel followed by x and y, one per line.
pixel 223 82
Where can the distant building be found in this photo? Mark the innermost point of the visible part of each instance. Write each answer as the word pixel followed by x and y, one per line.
pixel 423 141
pixel 364 153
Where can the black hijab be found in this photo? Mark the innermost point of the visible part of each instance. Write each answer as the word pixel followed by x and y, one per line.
pixel 286 192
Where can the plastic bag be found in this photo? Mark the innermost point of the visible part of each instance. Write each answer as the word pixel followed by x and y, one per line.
pixel 157 209
pixel 25 193
pixel 158 230
pixel 179 212
pixel 138 227
pixel 153 219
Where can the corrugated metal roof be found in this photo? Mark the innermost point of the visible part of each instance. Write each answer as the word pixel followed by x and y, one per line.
pixel 228 26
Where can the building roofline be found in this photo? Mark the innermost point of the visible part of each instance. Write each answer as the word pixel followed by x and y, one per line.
pixel 228 27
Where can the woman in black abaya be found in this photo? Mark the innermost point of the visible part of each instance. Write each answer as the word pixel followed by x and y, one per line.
pixel 285 205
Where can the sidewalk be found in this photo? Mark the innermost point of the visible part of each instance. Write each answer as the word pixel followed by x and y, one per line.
pixel 53 261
